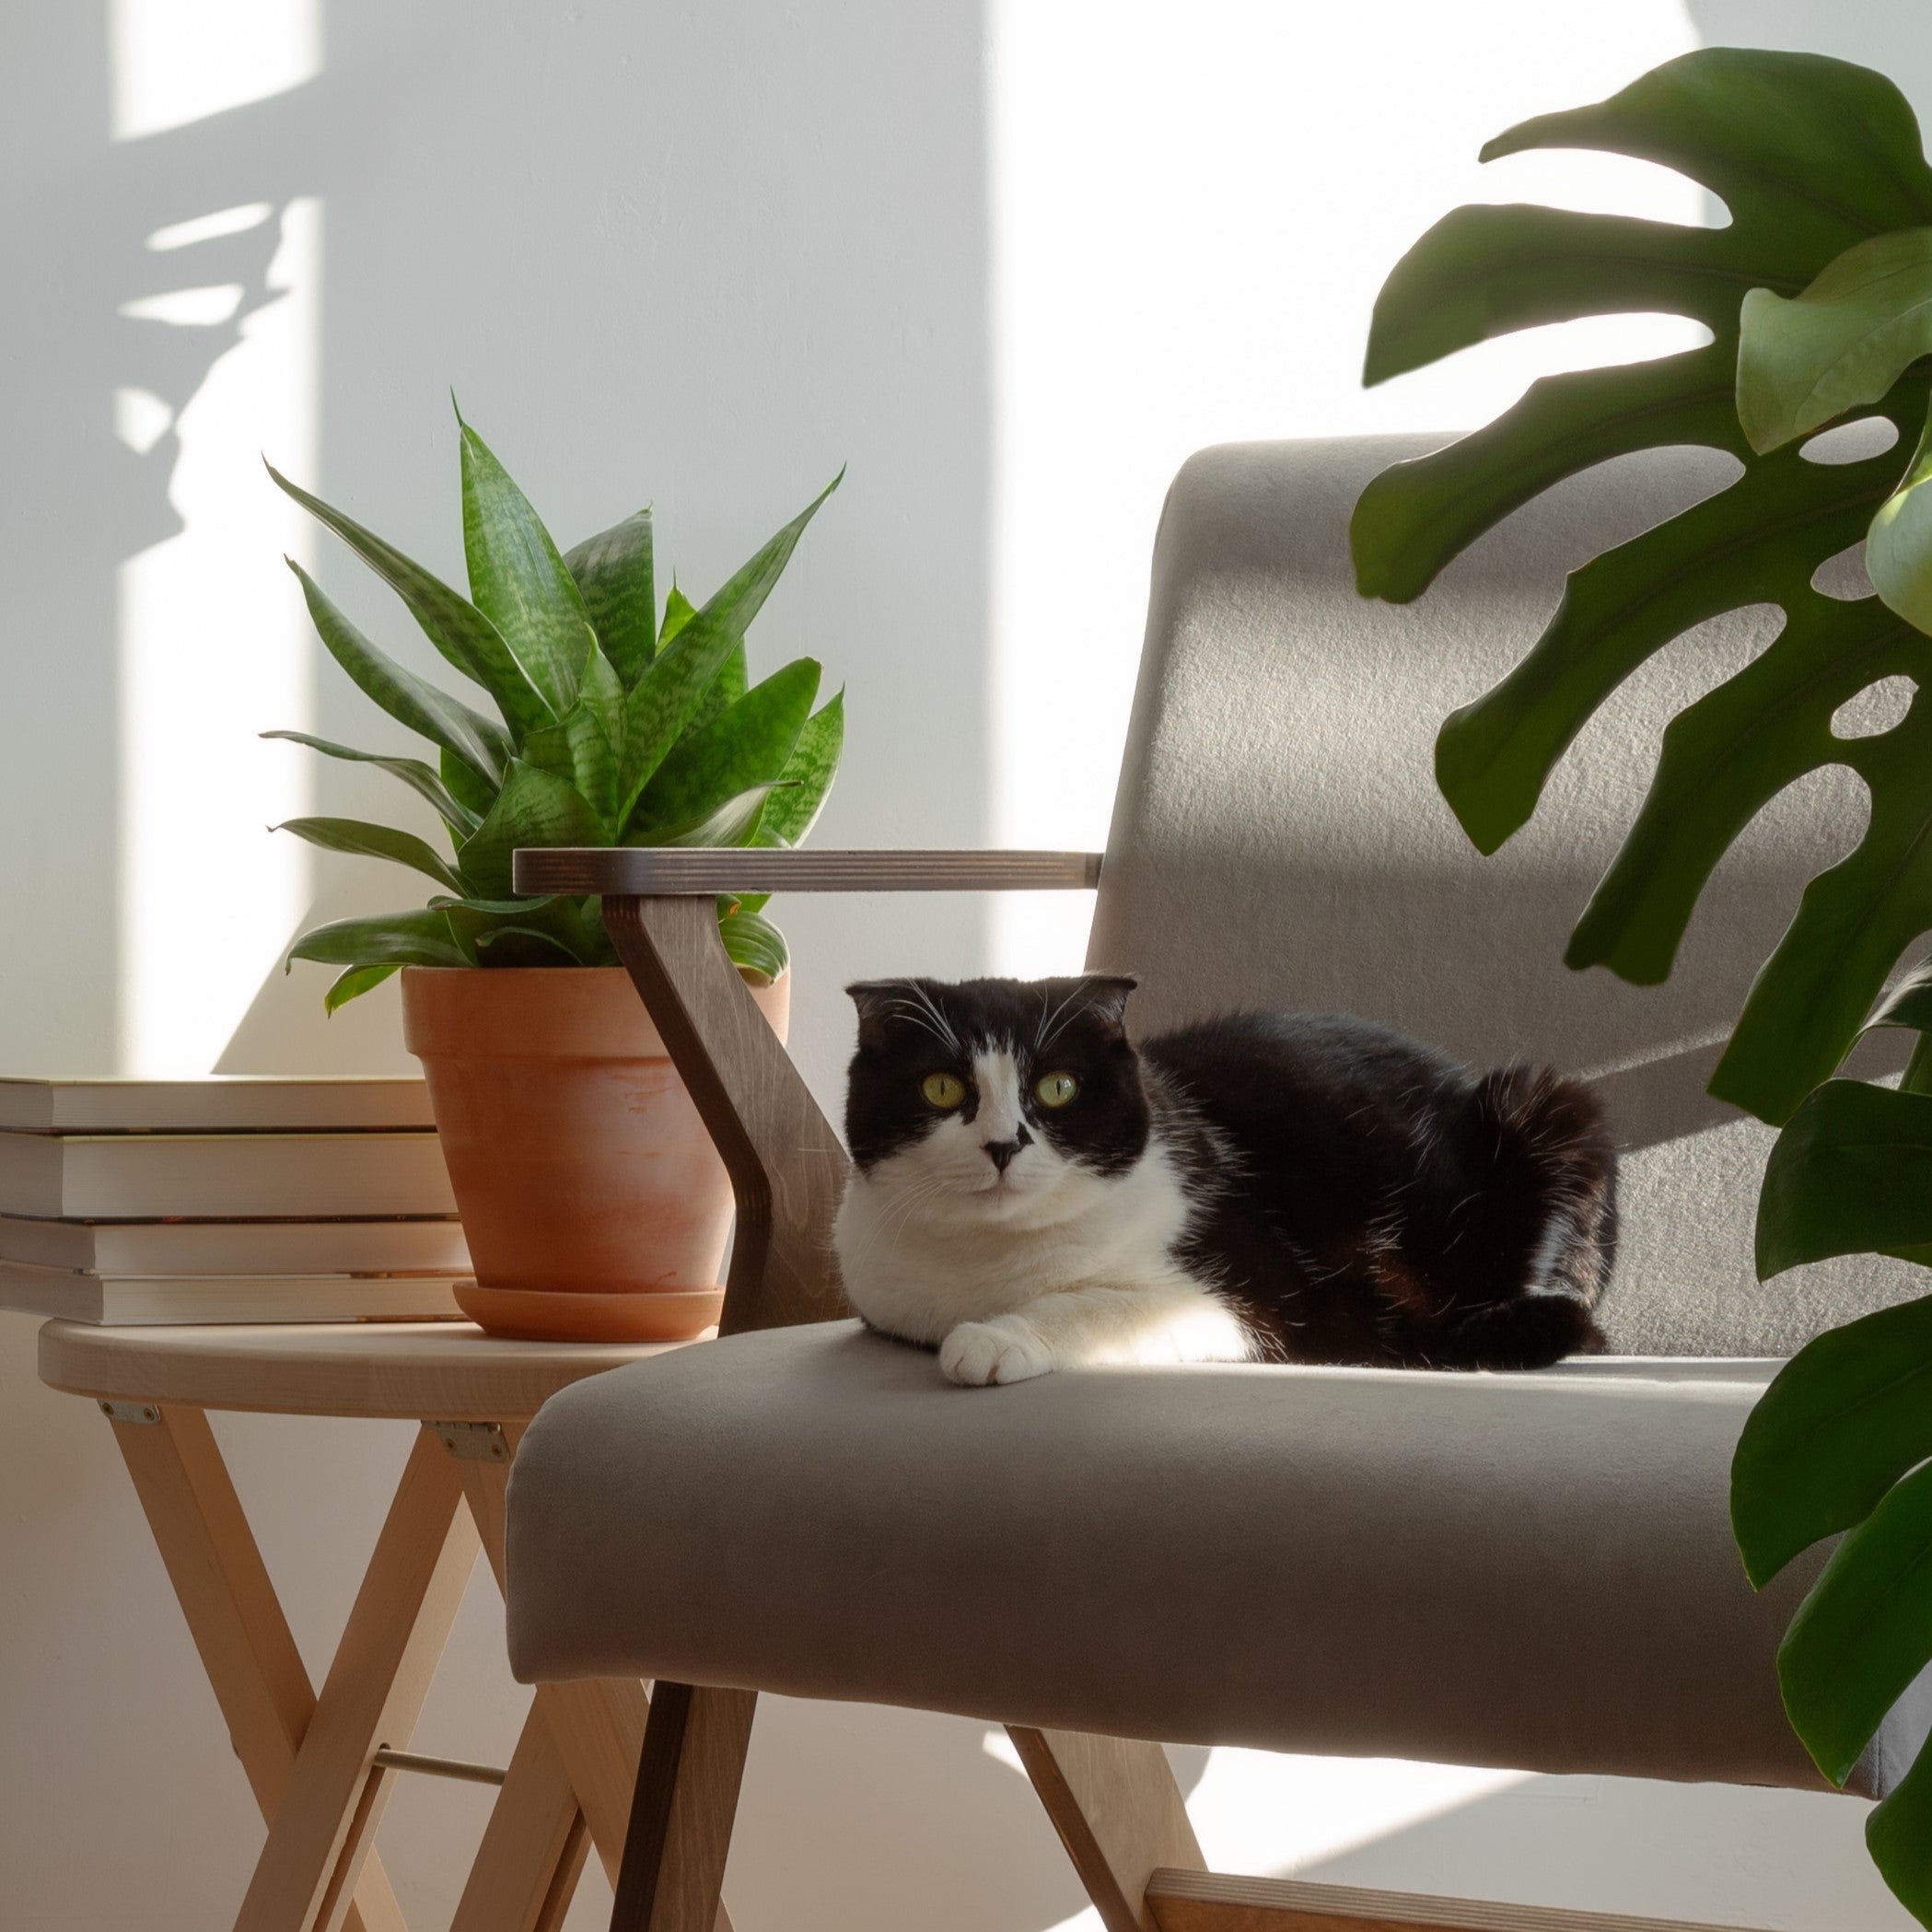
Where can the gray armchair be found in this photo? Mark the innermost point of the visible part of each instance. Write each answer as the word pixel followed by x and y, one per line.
pixel 1533 1572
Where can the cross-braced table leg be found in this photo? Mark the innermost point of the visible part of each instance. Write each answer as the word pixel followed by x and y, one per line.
pixel 319 1839
pixel 311 1762
pixel 528 1865
pixel 233 1615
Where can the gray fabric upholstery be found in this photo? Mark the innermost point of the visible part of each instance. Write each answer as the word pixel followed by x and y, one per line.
pixel 1532 1572
pixel 1278 840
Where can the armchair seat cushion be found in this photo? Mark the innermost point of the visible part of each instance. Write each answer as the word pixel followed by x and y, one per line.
pixel 1533 1572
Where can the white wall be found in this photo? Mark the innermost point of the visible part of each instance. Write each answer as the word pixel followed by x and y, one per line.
pixel 1012 262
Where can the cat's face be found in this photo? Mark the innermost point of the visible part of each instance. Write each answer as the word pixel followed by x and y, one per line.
pixel 1002 1100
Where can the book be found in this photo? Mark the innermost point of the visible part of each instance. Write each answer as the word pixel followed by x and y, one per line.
pixel 239 1247
pixel 241 1177
pixel 149 1300
pixel 211 1104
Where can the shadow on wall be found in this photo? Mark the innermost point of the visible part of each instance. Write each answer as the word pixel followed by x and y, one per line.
pixel 124 301
pixel 695 255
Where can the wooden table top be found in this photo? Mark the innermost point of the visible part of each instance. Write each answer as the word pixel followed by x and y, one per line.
pixel 447 1371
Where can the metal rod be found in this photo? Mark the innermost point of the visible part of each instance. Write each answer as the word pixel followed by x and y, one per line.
pixel 438 1767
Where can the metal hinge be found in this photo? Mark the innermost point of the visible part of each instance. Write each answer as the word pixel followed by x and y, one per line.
pixel 146 1414
pixel 473 1441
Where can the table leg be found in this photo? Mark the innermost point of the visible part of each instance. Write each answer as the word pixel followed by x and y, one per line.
pixel 598 1724
pixel 320 1838
pixel 234 1617
pixel 534 1849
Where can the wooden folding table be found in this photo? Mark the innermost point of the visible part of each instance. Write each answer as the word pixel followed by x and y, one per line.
pixel 321 1765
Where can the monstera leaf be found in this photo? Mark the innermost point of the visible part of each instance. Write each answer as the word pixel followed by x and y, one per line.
pixel 1762 132
pixel 1818 295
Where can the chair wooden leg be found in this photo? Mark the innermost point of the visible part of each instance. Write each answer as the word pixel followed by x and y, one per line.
pixel 596 1725
pixel 687 1780
pixel 1118 1812
pixel 234 1617
pixel 1206 1901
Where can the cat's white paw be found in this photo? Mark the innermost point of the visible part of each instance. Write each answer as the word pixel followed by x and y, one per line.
pixel 976 1353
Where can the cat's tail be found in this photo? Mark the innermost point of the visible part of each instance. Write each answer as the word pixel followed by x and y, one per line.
pixel 1542 1216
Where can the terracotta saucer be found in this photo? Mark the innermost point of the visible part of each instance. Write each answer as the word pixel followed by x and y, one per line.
pixel 558 1315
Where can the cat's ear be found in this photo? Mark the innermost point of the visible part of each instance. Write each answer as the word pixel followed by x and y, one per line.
pixel 1104 995
pixel 880 1003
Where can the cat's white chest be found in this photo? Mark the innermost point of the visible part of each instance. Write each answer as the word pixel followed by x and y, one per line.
pixel 915 1269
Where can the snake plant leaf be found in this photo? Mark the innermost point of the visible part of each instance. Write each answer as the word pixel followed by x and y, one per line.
pixel 1898 1834
pixel 361 839
pixel 1851 1172
pixel 1898 553
pixel 458 629
pixel 474 793
pixel 658 710
pixel 354 982
pixel 517 580
pixel 613 573
pixel 1864 1631
pixel 746 745
pixel 724 691
pixel 477 741
pixel 557 923
pixel 1760 130
pixel 754 945
pixel 535 808
pixel 1840 1424
pixel 659 707
pixel 807 778
pixel 586 748
pixel 678 611
pixel 734 822
pixel 1840 342
pixel 413 772
pixel 417 939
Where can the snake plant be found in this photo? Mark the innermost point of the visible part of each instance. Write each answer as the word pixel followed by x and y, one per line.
pixel 616 724
pixel 1818 295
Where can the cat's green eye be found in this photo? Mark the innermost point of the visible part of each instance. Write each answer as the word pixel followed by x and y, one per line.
pixel 943 1089
pixel 1055 1089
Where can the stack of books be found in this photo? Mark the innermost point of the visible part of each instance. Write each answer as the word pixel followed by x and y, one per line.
pixel 226 1199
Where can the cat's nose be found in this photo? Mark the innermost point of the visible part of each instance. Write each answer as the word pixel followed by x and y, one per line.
pixel 1001 1152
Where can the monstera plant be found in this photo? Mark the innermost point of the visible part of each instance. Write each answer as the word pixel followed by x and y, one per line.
pixel 1817 297
pixel 614 726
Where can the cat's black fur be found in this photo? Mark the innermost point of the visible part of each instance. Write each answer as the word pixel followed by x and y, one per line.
pixel 1357 1196
pixel 1383 1206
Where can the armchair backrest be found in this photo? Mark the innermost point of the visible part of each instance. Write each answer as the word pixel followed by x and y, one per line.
pixel 1278 840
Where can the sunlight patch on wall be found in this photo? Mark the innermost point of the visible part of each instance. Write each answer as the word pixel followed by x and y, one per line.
pixel 179 61
pixel 214 649
pixel 1189 230
pixel 1265 1813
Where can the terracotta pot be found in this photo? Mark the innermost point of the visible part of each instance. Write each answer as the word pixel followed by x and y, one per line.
pixel 595 1205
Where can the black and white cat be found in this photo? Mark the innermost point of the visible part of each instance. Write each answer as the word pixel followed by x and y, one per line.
pixel 1031 1191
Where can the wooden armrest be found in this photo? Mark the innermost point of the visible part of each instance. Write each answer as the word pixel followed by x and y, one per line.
pixel 678 871
pixel 785 1162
